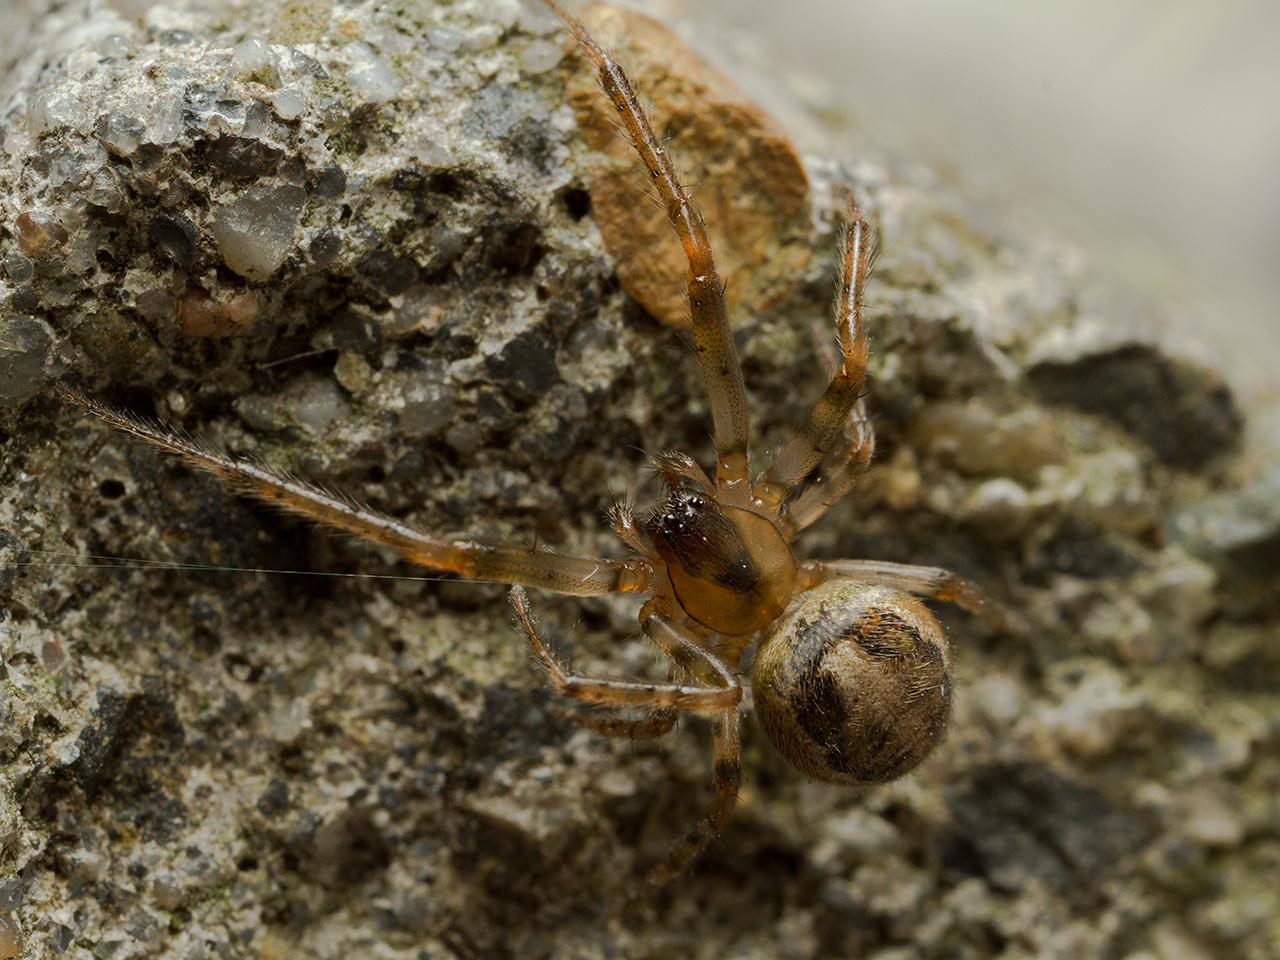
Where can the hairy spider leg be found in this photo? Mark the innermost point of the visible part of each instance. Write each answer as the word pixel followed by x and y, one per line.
pixel 576 576
pixel 728 781
pixel 721 699
pixel 712 336
pixel 826 420
pixel 836 476
pixel 670 639
pixel 657 723
pixel 933 583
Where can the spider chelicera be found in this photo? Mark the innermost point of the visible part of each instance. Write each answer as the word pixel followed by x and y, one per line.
pixel 851 675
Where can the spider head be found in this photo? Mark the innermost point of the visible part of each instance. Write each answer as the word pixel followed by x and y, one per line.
pixel 853 684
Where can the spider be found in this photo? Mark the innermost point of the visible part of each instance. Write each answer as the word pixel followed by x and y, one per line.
pixel 851 676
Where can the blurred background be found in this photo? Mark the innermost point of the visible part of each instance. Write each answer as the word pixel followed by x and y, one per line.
pixel 1147 132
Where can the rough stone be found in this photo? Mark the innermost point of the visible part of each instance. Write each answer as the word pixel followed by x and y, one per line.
pixel 379 246
pixel 26 345
pixel 1183 412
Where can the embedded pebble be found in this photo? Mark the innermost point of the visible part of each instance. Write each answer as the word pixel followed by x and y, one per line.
pixel 255 231
pixel 40 236
pixel 204 316
pixel 1212 821
pixel 255 58
pixel 428 408
pixel 289 721
pixel 120 134
pixel 25 347
pixel 999 505
pixel 443 38
pixel 164 122
pixel 369 74
pixel 114 45
pixel 289 104
pixel 320 406
pixel 352 371
pixel 541 56
pixel 18 268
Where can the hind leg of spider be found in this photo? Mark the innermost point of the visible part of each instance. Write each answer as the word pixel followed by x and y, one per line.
pixel 693 697
pixel 713 339
pixel 728 781
pixel 826 420
pixel 933 583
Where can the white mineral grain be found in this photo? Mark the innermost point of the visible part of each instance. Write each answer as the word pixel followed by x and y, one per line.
pixel 114 46
pixel 445 38
pixel 1000 698
pixel 254 232
pixel 536 18
pixel 254 58
pixel 1000 504
pixel 505 13
pixel 1211 820
pixel 484 36
pixel 320 406
pixel 51 109
pixel 120 133
pixel 369 75
pixel 164 121
pixel 289 104
pixel 289 721
pixel 17 140
pixel 540 56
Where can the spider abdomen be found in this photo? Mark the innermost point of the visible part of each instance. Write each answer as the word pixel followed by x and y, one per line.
pixel 853 683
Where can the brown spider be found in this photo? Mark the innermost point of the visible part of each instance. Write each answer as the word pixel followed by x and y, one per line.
pixel 851 676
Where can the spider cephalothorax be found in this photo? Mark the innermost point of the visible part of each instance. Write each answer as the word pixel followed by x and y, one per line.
pixel 851 675
pixel 729 567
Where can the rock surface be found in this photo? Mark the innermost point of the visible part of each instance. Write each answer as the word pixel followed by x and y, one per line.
pixel 356 240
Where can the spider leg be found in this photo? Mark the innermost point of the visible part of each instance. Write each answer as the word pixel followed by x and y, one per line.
pixel 577 576
pixel 693 697
pixel 720 700
pixel 935 583
pixel 794 462
pixel 836 477
pixel 713 339
pixel 655 724
pixel 728 780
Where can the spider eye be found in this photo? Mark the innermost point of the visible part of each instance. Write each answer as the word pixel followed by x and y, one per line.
pixel 853 683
